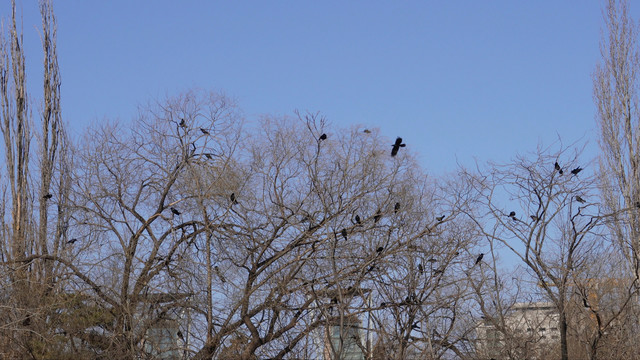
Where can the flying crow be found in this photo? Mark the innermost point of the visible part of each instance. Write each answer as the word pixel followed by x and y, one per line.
pixel 396 146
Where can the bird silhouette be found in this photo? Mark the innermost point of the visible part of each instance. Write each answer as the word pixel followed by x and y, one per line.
pixel 440 218
pixel 183 123
pixel 396 146
pixel 576 170
pixel 367 131
pixel 72 241
pixel 358 220
pixel 175 211
pixel 47 196
pixel 379 249
pixel 420 268
pixel 558 168
pixel 377 216
pixel 396 207
pixel 232 197
pixel 512 214
pixel 344 233
pixel 580 199
pixel 479 258
pixel 323 137
pixel 204 131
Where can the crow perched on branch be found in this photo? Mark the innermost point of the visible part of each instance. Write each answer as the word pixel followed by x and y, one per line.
pixel 323 137
pixel 47 196
pixel 440 218
pixel 344 233
pixel 580 199
pixel 175 211
pixel 396 146
pixel 576 170
pixel 232 197
pixel 512 214
pixel 72 241
pixel 183 123
pixel 479 259
pixel 377 216
pixel 204 131
pixel 558 168
pixel 358 221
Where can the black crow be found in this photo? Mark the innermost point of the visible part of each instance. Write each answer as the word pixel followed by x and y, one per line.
pixel 175 211
pixel 379 249
pixel 377 216
pixel 358 220
pixel 396 146
pixel 232 197
pixel 344 233
pixel 367 131
pixel 180 335
pixel 576 170
pixel 558 168
pixel 383 304
pixel 47 197
pixel 183 123
pixel 396 207
pixel 204 131
pixel 512 214
pixel 72 241
pixel 440 218
pixel 580 199
pixel 479 258
pixel 323 137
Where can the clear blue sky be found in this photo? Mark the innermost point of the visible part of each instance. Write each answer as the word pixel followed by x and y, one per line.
pixel 457 79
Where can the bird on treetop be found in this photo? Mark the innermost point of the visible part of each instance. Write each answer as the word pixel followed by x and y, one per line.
pixel 175 211
pixel 323 137
pixel 479 258
pixel 512 214
pixel 183 123
pixel 47 196
pixel 204 131
pixel 344 233
pixel 576 170
pixel 396 146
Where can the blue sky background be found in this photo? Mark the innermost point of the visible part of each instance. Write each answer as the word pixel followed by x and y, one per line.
pixel 458 80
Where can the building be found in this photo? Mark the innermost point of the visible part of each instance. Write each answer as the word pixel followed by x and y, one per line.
pixel 529 330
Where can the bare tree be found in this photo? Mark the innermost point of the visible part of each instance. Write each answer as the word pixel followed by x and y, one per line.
pixel 542 211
